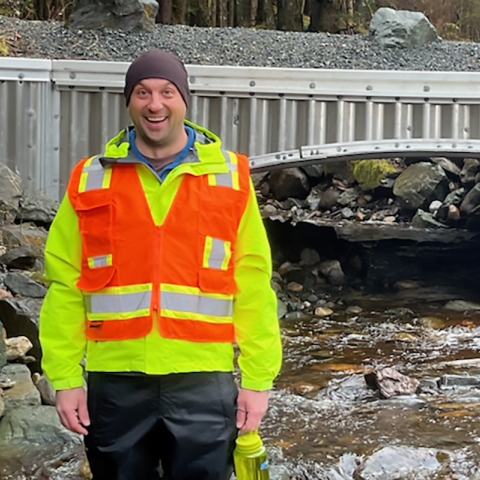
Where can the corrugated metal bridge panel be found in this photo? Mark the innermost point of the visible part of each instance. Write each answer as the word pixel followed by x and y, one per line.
pixel 52 113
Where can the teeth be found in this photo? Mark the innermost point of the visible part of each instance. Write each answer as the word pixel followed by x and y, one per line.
pixel 156 119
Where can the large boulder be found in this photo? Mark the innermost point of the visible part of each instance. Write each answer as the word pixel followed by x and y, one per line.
pixel 11 190
pixel 289 182
pixel 126 15
pixel 23 393
pixel 37 208
pixel 401 28
pixel 20 317
pixel 419 185
pixel 37 425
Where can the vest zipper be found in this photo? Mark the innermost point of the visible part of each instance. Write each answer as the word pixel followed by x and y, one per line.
pixel 156 272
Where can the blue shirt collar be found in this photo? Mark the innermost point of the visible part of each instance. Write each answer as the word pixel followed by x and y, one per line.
pixel 167 168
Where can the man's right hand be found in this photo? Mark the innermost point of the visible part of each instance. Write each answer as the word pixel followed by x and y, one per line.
pixel 71 407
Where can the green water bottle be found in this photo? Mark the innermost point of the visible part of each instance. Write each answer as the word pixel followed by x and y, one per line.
pixel 250 458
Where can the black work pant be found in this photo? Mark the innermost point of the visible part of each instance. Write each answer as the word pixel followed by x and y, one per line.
pixel 184 421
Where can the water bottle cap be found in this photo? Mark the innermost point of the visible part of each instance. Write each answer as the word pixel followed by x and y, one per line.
pixel 249 443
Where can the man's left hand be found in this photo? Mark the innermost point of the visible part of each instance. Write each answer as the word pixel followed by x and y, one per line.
pixel 251 407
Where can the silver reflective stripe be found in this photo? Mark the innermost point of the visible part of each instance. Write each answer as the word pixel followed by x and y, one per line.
pixel 191 303
pixel 217 254
pixel 226 179
pixel 95 174
pixel 118 302
pixel 100 261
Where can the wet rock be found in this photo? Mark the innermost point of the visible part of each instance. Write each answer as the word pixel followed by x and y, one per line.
pixel 471 200
pixel 301 276
pixel 297 316
pixel 432 322
pixel 401 28
pixel 419 185
pixel 20 317
pixel 348 197
pixel 323 312
pixel 22 258
pixel 11 189
pixel 354 310
pixel 20 284
pixel 390 382
pixel 281 309
pixel 347 213
pixel 435 206
pixel 332 271
pixel 23 393
pixel 395 463
pixel 447 165
pixel 37 208
pixel 3 347
pixel 35 426
pixel 17 348
pixel 459 381
pixel 313 199
pixel 25 234
pixel 461 305
pixel 314 171
pixel 269 210
pixel 425 220
pixel 329 198
pixel 285 268
pixel 406 285
pixel 289 182
pixel 309 257
pixel 471 166
pixel 126 15
pixel 295 287
pixel 47 393
pixel 453 214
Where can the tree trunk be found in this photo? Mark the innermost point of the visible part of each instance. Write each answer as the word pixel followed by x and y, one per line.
pixel 253 12
pixel 44 9
pixel 231 13
pixel 180 12
pixel 289 16
pixel 200 16
pixel 243 13
pixel 164 14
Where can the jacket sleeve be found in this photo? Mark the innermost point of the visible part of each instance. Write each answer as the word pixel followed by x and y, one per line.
pixel 255 307
pixel 62 317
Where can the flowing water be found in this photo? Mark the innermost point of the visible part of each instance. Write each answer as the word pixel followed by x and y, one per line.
pixel 325 423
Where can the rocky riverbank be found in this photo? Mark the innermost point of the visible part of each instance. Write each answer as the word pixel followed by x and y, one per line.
pixel 235 46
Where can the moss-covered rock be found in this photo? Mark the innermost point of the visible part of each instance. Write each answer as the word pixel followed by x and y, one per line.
pixel 370 173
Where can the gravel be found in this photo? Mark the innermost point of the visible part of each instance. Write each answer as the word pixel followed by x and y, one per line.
pixel 236 46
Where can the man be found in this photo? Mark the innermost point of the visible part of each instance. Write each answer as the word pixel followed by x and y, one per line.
pixel 158 263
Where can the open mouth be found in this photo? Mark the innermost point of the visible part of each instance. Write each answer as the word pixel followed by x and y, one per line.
pixel 156 120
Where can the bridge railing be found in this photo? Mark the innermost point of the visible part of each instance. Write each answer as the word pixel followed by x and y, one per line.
pixel 53 112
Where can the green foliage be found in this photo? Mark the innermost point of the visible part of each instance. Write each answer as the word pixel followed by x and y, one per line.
pixel 370 173
pixel 3 47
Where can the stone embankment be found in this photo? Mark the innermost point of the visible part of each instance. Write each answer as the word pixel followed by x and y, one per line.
pixel 27 415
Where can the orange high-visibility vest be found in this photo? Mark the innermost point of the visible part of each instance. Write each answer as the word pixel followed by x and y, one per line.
pixel 183 270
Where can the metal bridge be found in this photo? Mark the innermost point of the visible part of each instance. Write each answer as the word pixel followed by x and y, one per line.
pixel 54 112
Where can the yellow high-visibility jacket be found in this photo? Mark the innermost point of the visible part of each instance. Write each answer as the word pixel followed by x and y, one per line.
pixel 63 316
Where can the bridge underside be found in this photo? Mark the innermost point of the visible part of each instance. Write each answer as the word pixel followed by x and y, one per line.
pixel 369 149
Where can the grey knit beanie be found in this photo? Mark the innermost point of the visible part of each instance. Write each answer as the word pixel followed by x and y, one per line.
pixel 157 64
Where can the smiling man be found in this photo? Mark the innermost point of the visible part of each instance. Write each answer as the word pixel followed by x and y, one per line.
pixel 159 264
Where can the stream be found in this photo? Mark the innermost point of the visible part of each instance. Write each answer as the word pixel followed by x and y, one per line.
pixel 325 423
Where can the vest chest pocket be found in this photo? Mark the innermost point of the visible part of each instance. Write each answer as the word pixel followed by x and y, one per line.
pixel 218 225
pixel 95 214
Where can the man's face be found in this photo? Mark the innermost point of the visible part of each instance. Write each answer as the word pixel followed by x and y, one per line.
pixel 157 111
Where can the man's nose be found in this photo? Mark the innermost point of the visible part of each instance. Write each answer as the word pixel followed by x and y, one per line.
pixel 156 102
